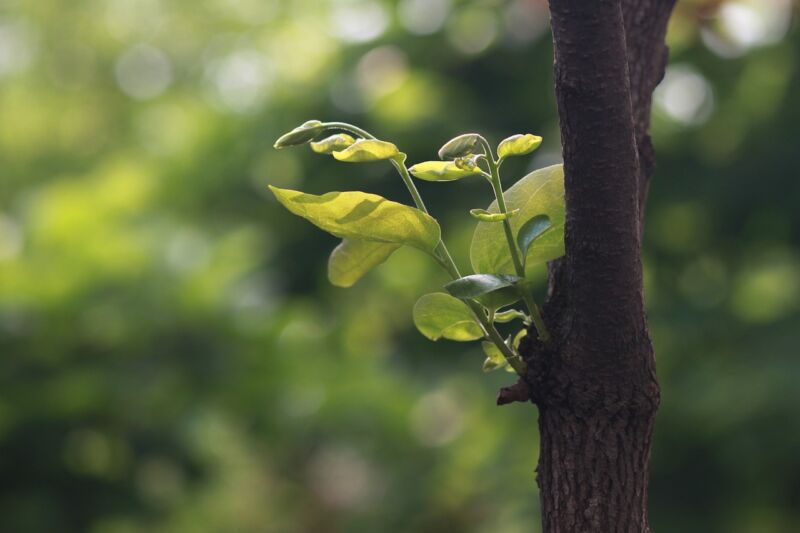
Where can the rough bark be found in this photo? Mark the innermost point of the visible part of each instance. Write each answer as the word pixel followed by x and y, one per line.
pixel 595 383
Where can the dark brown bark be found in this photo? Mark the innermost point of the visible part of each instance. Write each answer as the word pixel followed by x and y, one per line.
pixel 595 383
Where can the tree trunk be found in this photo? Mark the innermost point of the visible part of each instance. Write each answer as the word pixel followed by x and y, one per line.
pixel 595 383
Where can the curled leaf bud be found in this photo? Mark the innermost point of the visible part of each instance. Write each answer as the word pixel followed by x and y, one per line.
pixel 518 145
pixel 300 135
pixel 468 163
pixel 331 144
pixel 460 146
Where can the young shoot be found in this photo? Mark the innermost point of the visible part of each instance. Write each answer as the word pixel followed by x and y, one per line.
pixel 521 228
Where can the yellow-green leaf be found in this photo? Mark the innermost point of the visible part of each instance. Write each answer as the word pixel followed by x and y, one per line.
pixel 519 144
pixel 460 146
pixel 539 193
pixel 440 171
pixel 366 150
pixel 439 315
pixel 353 258
pixel 331 144
pixel 363 216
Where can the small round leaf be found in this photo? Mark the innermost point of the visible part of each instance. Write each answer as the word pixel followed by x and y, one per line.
pixel 518 145
pixel 366 150
pixel 460 146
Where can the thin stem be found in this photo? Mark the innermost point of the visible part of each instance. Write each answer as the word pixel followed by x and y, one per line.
pixel 519 265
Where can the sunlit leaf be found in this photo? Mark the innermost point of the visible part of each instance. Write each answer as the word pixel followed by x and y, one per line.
pixel 331 144
pixel 353 258
pixel 532 230
pixel 302 134
pixel 363 216
pixel 520 144
pixel 439 315
pixel 539 193
pixel 494 357
pixel 460 146
pixel 485 216
pixel 440 171
pixel 366 150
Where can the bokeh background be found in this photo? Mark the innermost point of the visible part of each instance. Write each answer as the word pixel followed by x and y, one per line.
pixel 173 359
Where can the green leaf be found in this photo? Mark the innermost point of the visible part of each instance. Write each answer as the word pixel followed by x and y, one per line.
pixel 493 291
pixel 353 258
pixel 366 150
pixel 440 171
pixel 494 357
pixel 532 230
pixel 363 216
pixel 331 144
pixel 518 145
pixel 460 146
pixel 308 131
pixel 439 315
pixel 539 193
pixel 485 216
pixel 508 316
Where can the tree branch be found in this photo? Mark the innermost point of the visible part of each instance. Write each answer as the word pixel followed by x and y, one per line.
pixel 645 23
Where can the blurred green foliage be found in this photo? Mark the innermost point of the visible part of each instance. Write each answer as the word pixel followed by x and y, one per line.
pixel 173 359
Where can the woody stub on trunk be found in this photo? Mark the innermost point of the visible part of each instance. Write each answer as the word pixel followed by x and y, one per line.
pixel 595 385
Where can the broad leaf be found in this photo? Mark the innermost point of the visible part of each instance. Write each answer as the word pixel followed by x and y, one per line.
pixel 331 144
pixel 485 216
pixel 440 171
pixel 532 230
pixel 518 145
pixel 460 146
pixel 366 150
pixel 439 315
pixel 539 193
pixel 308 131
pixel 363 216
pixel 494 357
pixel 353 258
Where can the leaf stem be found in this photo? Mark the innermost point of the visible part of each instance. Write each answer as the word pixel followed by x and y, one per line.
pixel 519 264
